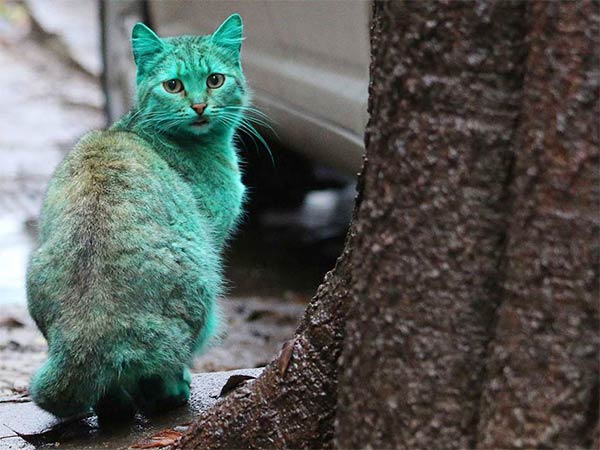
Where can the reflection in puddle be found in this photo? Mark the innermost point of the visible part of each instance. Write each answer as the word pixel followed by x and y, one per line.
pixel 15 245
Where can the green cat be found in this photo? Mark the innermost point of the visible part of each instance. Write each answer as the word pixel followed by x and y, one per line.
pixel 126 277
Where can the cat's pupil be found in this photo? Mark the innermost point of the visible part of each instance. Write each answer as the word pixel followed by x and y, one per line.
pixel 172 84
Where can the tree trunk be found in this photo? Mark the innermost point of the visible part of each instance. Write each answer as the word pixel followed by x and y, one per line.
pixel 463 311
pixel 447 83
pixel 117 18
pixel 478 239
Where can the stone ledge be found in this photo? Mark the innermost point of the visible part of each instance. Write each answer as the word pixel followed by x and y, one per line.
pixel 25 426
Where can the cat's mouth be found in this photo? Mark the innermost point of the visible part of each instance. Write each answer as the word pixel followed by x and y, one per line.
pixel 200 122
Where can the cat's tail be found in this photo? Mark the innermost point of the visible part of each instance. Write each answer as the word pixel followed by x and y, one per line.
pixel 63 391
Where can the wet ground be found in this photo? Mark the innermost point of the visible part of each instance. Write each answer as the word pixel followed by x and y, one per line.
pixel 24 426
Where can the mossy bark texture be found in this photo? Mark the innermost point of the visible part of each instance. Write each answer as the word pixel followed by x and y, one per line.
pixel 463 312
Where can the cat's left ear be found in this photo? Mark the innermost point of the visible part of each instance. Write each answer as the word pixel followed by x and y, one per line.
pixel 146 44
pixel 231 33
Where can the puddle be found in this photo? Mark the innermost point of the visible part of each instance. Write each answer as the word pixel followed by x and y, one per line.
pixel 15 246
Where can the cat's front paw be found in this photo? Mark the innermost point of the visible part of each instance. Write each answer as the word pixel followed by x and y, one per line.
pixel 115 406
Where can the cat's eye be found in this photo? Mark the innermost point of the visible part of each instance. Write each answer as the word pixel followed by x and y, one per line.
pixel 173 86
pixel 215 80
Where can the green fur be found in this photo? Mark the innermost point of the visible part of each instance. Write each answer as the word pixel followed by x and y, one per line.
pixel 125 280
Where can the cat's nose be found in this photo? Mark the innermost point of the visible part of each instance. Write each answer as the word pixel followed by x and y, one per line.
pixel 199 108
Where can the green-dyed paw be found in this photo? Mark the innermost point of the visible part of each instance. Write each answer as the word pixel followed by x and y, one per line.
pixel 115 405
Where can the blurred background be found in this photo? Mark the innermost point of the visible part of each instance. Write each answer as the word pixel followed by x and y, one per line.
pixel 67 68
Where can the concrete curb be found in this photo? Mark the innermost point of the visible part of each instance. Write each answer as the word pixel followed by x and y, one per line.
pixel 25 426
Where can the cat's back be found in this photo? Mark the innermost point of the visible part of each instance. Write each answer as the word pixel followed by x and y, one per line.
pixel 116 224
pixel 109 177
pixel 116 271
pixel 104 163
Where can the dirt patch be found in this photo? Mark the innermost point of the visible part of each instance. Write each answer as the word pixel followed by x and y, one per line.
pixel 254 332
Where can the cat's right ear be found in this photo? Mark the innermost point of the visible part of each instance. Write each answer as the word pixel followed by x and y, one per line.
pixel 146 44
pixel 230 33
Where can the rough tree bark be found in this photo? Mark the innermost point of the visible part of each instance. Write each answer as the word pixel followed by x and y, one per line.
pixel 445 96
pixel 463 311
pixel 541 389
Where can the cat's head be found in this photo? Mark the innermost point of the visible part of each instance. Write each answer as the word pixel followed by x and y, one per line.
pixel 190 85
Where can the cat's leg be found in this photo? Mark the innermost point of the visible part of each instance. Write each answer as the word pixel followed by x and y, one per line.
pixel 211 328
pixel 115 405
pixel 156 393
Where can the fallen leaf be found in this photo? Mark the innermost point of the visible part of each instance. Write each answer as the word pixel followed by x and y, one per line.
pixel 233 382
pixel 162 439
pixel 23 398
pixel 11 322
pixel 258 314
pixel 286 354
pixel 183 427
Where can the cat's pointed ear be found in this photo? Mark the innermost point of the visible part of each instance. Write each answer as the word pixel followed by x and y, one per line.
pixel 146 44
pixel 231 33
